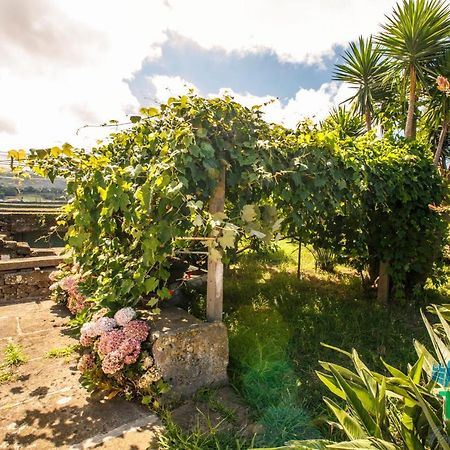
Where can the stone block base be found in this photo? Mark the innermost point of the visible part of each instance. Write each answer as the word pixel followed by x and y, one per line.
pixel 189 354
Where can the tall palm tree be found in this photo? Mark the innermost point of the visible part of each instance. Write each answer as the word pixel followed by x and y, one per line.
pixel 414 35
pixel 363 69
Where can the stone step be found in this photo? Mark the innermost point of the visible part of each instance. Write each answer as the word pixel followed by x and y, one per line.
pixel 30 263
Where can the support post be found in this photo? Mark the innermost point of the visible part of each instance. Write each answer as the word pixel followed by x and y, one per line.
pixel 383 283
pixel 214 296
pixel 299 261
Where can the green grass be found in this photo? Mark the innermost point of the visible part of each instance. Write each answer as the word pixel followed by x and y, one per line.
pixel 276 324
pixel 14 355
pixel 6 376
pixel 172 437
pixel 62 352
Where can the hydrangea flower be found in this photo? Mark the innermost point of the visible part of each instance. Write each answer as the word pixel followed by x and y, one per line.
pixel 105 324
pixel 124 315
pixel 69 283
pixel 110 341
pixel 112 362
pixel 86 362
pixel 76 303
pixel 136 329
pixel 86 341
pixel 54 275
pixel 53 286
pixel 89 329
pixel 151 376
pixel 130 350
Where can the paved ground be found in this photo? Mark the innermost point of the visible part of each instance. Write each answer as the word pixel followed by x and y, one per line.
pixel 45 407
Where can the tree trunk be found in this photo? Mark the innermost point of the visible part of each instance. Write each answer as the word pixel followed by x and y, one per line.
pixel 440 146
pixel 214 295
pixel 409 129
pixel 299 261
pixel 368 118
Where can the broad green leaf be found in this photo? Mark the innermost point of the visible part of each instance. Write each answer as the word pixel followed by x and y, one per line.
pixel 351 426
pixel 371 426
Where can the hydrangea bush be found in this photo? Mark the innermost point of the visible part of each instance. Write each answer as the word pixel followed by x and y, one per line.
pixel 116 356
pixel 65 288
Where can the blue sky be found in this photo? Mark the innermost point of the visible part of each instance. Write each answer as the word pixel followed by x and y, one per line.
pixel 260 74
pixel 65 64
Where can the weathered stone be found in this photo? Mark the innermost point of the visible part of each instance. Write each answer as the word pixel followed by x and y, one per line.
pixel 190 354
pixel 24 285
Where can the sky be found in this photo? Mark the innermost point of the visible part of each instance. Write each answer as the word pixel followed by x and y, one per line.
pixel 65 64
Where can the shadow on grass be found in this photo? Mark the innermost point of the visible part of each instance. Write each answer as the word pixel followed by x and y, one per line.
pixel 276 325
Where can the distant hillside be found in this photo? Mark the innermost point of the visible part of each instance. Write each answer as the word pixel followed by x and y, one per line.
pixel 33 189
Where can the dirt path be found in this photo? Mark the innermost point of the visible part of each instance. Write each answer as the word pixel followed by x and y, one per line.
pixel 44 406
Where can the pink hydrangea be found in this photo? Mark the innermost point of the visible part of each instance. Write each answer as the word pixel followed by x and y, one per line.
pixel 76 303
pixel 112 362
pixel 105 324
pixel 89 329
pixel 86 341
pixel 86 362
pixel 54 286
pixel 54 275
pixel 130 350
pixel 124 315
pixel 136 329
pixel 69 283
pixel 110 341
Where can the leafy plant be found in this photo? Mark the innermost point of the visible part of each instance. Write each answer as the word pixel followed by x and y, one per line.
pixel 14 355
pixel 394 412
pixel 62 352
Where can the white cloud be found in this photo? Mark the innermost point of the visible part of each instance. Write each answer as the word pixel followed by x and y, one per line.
pixel 65 63
pixel 166 86
pixel 296 30
pixel 307 103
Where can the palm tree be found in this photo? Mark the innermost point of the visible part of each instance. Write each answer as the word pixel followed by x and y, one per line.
pixel 437 115
pixel 363 69
pixel 413 36
pixel 347 122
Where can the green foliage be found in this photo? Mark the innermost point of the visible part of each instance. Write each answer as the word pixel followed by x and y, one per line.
pixel 363 69
pixel 62 352
pixel 137 200
pixel 6 376
pixel 14 355
pixel 398 411
pixel 174 438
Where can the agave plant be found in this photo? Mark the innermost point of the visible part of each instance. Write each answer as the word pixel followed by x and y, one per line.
pixel 398 411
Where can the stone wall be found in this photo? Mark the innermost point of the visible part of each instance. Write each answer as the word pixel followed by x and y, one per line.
pixel 11 223
pixel 24 285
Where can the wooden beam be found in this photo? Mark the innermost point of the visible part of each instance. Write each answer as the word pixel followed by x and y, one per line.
pixel 30 263
pixel 214 296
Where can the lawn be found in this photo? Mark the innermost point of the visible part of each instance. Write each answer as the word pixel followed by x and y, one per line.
pixel 277 323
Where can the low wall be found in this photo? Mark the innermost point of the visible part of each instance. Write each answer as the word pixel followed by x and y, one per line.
pixel 24 285
pixel 12 223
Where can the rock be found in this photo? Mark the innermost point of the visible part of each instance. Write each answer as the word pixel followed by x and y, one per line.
pixel 189 354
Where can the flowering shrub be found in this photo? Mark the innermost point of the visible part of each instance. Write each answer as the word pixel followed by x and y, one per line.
pixel 117 356
pixel 65 288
